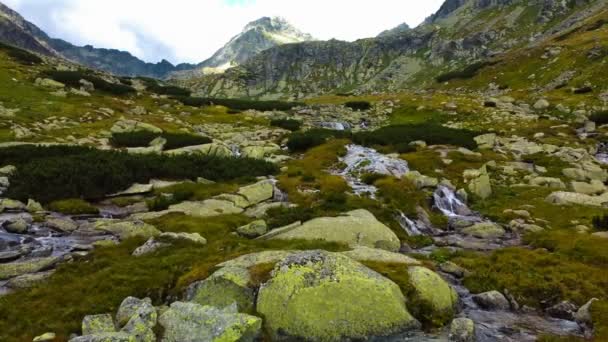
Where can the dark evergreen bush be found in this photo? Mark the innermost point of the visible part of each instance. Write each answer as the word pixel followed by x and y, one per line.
pixel 72 79
pixel 302 141
pixel 600 222
pixel 237 104
pixel 143 138
pixel 291 125
pixel 600 118
pixel 466 73
pixel 60 172
pixel 169 90
pixel 358 105
pixel 280 217
pixel 20 55
pixel 431 133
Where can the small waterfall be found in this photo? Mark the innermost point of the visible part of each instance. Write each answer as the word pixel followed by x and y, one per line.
pixel 449 204
pixel 360 160
pixel 408 225
pixel 278 194
pixel 236 150
pixel 602 153
pixel 336 126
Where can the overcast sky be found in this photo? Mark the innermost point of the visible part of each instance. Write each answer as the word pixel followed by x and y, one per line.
pixel 192 30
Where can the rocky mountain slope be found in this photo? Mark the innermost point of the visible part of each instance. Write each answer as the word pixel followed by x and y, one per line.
pixel 460 34
pixel 256 37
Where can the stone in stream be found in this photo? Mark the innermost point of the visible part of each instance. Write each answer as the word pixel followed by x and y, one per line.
pixel 64 225
pixel 14 269
pixel 194 322
pixel 484 230
pixel 16 226
pixel 435 299
pixel 492 300
pixel 583 315
pixel 462 330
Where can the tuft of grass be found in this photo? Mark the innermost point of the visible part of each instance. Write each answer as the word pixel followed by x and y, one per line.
pixel 74 206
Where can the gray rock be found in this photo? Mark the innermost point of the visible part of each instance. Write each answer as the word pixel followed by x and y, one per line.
pixel 98 324
pixel 253 229
pixel 492 300
pixel 195 323
pixel 462 330
pixel 16 226
pixel 563 310
pixel 583 315
pixel 106 337
pixel 132 306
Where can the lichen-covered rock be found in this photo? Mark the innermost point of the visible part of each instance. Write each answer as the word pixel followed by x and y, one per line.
pixel 207 208
pixel 195 238
pixel 195 323
pixel 572 198
pixel 64 225
pixel 27 266
pixel 16 226
pixel 253 229
pixel 484 230
pixel 98 324
pixel 361 253
pixel 264 257
pixel 127 229
pixel 132 306
pixel 213 150
pixel 433 300
pixel 33 206
pixel 28 280
pixel 322 296
pixel 358 227
pixel 7 204
pixel 46 337
pixel 258 192
pixel 462 330
pixel 223 288
pixel 481 186
pixel 492 300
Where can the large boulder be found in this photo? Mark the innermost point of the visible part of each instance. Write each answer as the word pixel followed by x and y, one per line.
pixel 206 208
pixel 253 229
pixel 258 192
pixel 594 187
pixel 127 229
pixel 486 141
pixel 322 296
pixel 492 300
pixel 433 300
pixel 358 227
pixel 195 323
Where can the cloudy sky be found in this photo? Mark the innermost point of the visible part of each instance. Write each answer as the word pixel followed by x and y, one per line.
pixel 192 30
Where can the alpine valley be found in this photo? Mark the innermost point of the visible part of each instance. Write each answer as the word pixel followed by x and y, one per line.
pixel 444 182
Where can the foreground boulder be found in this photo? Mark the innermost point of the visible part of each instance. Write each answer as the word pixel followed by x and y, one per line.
pixel 324 296
pixel 193 322
pixel 355 228
pixel 432 300
pixel 227 286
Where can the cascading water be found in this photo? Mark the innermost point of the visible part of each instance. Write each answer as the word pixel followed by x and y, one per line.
pixel 360 160
pixel 410 227
pixel 602 153
pixel 236 150
pixel 336 126
pixel 449 204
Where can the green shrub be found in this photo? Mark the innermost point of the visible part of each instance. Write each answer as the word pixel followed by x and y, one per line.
pixel 358 105
pixel 73 207
pixel 466 73
pixel 600 118
pixel 169 90
pixel 290 125
pixel 144 138
pixel 237 104
pixel 280 217
pixel 72 79
pixel 432 133
pixel 302 141
pixel 20 55
pixel 58 172
pixel 371 178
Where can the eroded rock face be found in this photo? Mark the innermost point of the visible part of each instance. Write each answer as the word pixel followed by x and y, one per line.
pixel 322 296
pixel 357 227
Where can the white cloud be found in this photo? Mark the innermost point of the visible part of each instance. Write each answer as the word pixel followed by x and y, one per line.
pixel 191 30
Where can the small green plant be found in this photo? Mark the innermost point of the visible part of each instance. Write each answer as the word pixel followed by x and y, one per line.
pixel 290 125
pixel 73 207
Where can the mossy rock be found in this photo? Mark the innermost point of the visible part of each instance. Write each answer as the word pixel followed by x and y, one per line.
pixel 323 296
pixel 98 324
pixel 127 229
pixel 24 267
pixel 193 322
pixel 432 300
pixel 225 287
pixel 356 228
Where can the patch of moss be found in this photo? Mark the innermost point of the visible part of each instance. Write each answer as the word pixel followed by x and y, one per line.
pixel 73 207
